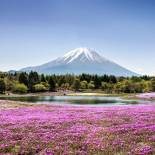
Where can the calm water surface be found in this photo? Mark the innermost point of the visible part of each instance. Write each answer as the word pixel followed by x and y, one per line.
pixel 78 100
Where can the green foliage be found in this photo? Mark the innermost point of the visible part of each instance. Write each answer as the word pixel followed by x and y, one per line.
pixel 2 86
pixel 112 79
pixel 20 88
pixel 40 88
pixel 52 85
pixel 138 87
pixel 135 79
pixel 127 86
pixel 153 84
pixel 61 80
pixel 76 84
pixel 33 79
pixel 97 81
pixel 147 86
pixel 91 85
pixel 107 87
pixel 65 86
pixel 23 78
pixel 45 84
pixel 118 87
pixel 109 84
pixel 83 84
pixel 104 85
pixel 9 84
pixel 43 79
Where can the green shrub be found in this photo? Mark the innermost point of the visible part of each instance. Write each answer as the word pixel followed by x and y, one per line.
pixel 107 87
pixel 65 86
pixel 9 84
pixel 91 85
pixel 45 84
pixel 40 88
pixel 76 84
pixel 153 84
pixel 20 88
pixel 83 84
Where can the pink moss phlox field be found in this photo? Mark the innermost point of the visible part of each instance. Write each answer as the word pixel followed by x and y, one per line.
pixel 80 130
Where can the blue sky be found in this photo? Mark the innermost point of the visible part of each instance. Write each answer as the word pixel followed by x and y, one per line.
pixel 33 32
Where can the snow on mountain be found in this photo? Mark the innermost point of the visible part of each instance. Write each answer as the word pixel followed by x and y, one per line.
pixel 82 54
pixel 81 60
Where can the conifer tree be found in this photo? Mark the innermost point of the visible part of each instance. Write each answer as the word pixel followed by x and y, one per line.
pixel 2 86
pixel 52 84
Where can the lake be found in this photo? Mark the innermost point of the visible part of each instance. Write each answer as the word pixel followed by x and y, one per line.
pixel 78 100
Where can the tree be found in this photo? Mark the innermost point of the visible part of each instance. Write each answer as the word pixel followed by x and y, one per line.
pixel 61 80
pixel 23 78
pixel 138 87
pixel 118 87
pixel 52 85
pixel 112 79
pixel 33 80
pixel 83 84
pixel 76 84
pixel 153 84
pixel 45 84
pixel 97 81
pixel 147 86
pixel 105 78
pixel 135 79
pixel 91 85
pixel 65 86
pixel 128 86
pixel 2 86
pixel 43 79
pixel 104 86
pixel 107 87
pixel 8 84
pixel 20 88
pixel 40 88
pixel 85 77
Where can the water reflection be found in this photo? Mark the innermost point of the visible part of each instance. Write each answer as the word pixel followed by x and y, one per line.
pixel 76 100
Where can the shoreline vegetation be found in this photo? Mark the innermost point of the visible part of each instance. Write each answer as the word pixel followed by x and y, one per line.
pixel 68 93
pixel 27 83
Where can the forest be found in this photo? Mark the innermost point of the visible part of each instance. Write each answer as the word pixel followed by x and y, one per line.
pixel 33 82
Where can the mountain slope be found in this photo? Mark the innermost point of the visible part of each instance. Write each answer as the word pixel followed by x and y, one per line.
pixel 81 60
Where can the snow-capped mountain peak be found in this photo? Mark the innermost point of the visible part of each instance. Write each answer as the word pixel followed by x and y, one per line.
pixel 83 55
pixel 81 60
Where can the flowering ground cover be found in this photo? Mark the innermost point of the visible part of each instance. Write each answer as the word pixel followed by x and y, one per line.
pixel 78 130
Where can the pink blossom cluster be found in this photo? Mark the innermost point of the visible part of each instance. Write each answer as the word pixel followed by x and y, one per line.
pixel 79 130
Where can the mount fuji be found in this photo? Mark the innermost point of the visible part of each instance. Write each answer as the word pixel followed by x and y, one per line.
pixel 81 60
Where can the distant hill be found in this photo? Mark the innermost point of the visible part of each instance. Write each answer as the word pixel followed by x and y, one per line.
pixel 81 60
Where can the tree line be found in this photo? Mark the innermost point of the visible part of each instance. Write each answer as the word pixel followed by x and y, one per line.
pixel 33 82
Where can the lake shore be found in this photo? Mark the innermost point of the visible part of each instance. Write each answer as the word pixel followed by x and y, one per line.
pixel 68 93
pixel 56 93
